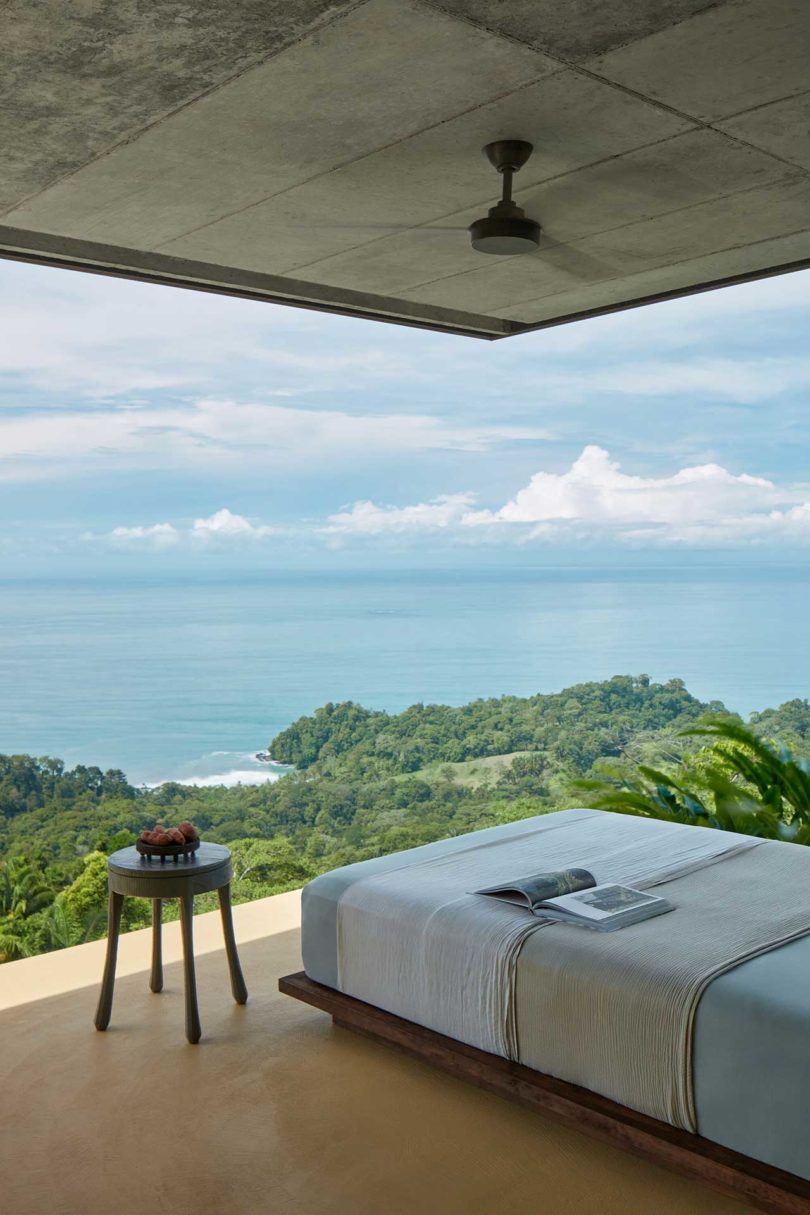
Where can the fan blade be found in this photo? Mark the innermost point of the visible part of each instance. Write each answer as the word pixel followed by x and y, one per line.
pixel 573 261
pixel 383 227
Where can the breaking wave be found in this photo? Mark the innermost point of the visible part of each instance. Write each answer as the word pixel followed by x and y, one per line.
pixel 213 770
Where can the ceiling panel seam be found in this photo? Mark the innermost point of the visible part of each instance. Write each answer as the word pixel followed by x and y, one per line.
pixel 763 105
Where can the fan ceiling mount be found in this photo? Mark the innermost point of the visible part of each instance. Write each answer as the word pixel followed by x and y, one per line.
pixel 506 229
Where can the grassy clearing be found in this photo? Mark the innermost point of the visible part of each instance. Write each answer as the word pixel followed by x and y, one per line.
pixel 472 773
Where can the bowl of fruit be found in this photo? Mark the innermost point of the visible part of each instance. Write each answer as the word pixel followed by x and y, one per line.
pixel 169 841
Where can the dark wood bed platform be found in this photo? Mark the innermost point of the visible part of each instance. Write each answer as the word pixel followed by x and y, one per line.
pixel 762 1186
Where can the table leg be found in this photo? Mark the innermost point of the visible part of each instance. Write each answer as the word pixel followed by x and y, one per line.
pixel 238 986
pixel 156 978
pixel 105 999
pixel 193 1027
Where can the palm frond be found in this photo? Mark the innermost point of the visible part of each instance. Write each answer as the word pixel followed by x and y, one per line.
pixel 739 782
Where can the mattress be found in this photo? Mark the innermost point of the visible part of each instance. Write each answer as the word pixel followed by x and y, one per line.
pixel 751 1052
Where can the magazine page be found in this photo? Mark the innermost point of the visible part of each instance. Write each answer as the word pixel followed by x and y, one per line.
pixel 540 887
pixel 602 902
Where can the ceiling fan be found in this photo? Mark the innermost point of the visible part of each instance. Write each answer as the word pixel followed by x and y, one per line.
pixel 506 230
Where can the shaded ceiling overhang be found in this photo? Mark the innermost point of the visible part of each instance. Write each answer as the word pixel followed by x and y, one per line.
pixel 328 155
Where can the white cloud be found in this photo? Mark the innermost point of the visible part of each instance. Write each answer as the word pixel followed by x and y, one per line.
pixel 703 505
pixel 368 519
pixel 798 516
pixel 158 535
pixel 595 490
pixel 224 525
pixel 226 434
pixel 791 526
pixel 99 377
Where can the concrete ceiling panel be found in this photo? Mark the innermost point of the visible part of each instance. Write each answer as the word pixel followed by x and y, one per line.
pixel 296 116
pixel 723 61
pixel 77 78
pixel 578 28
pixel 736 220
pixel 497 283
pixel 679 276
pixel 677 173
pixel 782 128
pixel 393 265
pixel 720 225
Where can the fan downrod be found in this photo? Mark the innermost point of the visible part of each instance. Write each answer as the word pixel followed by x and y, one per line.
pixel 506 230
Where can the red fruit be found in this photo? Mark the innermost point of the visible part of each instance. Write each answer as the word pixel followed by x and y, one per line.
pixel 145 835
pixel 161 838
pixel 189 830
pixel 176 836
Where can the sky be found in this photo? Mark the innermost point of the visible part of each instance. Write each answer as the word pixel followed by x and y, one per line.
pixel 146 428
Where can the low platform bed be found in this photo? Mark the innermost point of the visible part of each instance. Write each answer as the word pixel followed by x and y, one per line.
pixel 685 1038
pixel 765 1187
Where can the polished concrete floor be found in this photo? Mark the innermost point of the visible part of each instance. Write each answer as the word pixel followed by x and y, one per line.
pixel 274 1111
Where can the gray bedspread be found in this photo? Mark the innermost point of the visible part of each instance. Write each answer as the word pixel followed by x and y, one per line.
pixel 752 1031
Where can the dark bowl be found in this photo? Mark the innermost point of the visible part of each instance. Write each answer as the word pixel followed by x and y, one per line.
pixel 164 850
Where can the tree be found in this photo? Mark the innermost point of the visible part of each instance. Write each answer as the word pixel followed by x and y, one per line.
pixel 13 940
pixel 88 894
pixel 269 862
pixel 739 783
pixel 60 927
pixel 85 900
pixel 23 890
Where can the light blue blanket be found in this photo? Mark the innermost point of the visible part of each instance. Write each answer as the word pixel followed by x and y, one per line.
pixel 751 1044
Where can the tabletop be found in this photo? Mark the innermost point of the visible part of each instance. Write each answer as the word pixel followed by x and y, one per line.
pixel 128 861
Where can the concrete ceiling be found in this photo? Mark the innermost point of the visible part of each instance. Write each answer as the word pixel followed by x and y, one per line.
pixel 329 154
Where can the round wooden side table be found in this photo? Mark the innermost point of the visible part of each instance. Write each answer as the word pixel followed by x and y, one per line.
pixel 129 873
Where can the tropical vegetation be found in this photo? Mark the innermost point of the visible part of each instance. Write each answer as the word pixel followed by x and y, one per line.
pixel 740 782
pixel 367 783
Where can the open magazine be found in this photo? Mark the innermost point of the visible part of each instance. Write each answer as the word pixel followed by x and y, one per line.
pixel 572 896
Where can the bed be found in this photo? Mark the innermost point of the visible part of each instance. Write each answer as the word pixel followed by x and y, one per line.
pixel 749 1043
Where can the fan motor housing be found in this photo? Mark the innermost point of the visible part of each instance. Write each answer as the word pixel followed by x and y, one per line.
pixel 505 235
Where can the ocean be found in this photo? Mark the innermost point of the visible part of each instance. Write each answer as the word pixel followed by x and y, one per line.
pixel 188 680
